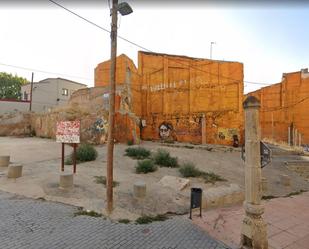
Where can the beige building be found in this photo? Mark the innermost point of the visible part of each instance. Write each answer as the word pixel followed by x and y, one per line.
pixel 50 93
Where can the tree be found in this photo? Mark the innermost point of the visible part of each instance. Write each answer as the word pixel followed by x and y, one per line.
pixel 10 86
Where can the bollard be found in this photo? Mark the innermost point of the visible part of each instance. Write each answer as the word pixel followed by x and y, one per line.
pixel 139 189
pixel 264 185
pixel 285 180
pixel 66 180
pixel 15 171
pixel 4 161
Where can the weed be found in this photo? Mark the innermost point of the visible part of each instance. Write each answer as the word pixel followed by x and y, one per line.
pixel 169 141
pixel 102 180
pixel 145 219
pixel 189 147
pixel 88 213
pixel 212 177
pixel 137 152
pixel 188 169
pixel 295 193
pixel 268 197
pixel 145 166
pixel 163 158
pixel 124 221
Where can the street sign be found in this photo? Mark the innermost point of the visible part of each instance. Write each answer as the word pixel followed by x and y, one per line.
pixel 265 154
pixel 68 132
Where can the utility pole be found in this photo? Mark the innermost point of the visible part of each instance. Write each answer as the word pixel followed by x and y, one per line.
pixel 111 118
pixel 31 87
pixel 212 43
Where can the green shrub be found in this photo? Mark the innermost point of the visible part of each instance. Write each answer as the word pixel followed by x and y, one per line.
pixel 137 152
pixel 145 166
pixel 188 169
pixel 86 152
pixel 68 160
pixel 102 180
pixel 145 219
pixel 163 158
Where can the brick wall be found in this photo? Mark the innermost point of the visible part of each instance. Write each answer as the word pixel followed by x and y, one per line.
pixel 180 98
pixel 285 105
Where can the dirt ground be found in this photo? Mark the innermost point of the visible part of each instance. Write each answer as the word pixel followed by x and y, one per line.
pixel 41 167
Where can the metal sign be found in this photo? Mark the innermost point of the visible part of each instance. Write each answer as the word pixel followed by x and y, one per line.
pixel 68 132
pixel 265 154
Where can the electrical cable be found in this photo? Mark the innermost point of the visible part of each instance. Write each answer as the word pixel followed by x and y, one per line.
pixel 142 47
pixel 41 71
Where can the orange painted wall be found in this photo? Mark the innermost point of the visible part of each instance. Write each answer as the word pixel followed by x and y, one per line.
pixel 199 99
pixel 283 104
pixel 180 90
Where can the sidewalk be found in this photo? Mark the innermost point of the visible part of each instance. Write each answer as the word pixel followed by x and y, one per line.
pixel 287 223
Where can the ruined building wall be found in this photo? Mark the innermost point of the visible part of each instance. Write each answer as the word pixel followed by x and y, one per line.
pixel 189 99
pixel 284 105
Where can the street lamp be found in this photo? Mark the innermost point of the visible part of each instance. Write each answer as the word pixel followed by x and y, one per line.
pixel 212 43
pixel 124 9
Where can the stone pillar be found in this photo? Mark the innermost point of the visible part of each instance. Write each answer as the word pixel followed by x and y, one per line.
pixel 15 171
pixel 66 180
pixel 253 234
pixel 4 161
pixel 289 136
pixel 204 130
pixel 139 189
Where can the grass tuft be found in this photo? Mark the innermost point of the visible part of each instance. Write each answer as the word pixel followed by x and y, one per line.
pixel 145 166
pixel 137 152
pixel 188 169
pixel 102 180
pixel 163 159
pixel 124 221
pixel 88 213
pixel 145 219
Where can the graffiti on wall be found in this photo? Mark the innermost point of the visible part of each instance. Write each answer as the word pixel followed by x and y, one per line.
pixel 227 133
pixel 100 126
pixel 165 130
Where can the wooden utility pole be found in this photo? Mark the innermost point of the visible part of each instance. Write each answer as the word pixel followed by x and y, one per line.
pixel 31 87
pixel 111 118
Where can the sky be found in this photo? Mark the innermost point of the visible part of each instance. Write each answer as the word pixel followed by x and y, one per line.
pixel 40 37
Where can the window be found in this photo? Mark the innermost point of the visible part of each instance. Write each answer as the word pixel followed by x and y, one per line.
pixel 65 92
pixel 25 96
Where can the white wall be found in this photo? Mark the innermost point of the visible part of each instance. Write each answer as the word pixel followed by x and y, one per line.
pixel 12 106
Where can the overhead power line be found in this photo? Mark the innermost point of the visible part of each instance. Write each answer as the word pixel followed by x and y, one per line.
pixel 98 26
pixel 146 49
pixel 41 71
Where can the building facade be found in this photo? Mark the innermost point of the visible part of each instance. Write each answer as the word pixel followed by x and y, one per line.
pixel 180 98
pixel 49 93
pixel 284 112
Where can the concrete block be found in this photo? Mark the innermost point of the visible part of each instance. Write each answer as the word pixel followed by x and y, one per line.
pixel 66 180
pixel 15 171
pixel 139 189
pixel 4 161
pixel 222 196
pixel 285 180
pixel 176 183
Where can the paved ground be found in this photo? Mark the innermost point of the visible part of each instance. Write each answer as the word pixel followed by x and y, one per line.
pixel 287 223
pixel 28 223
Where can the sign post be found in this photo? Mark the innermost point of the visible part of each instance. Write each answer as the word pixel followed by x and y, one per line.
pixel 68 132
